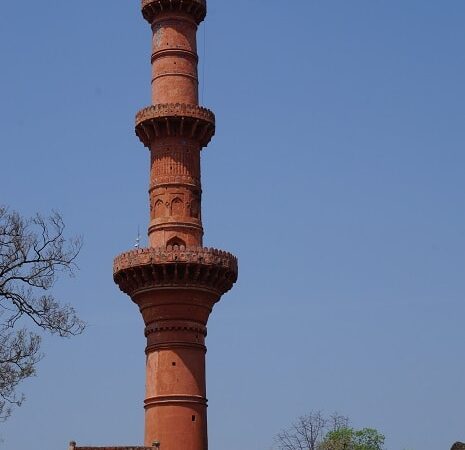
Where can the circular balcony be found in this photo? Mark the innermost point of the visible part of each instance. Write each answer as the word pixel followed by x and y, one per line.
pixel 152 8
pixel 175 119
pixel 175 266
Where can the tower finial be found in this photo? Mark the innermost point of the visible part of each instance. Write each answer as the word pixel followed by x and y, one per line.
pixel 137 244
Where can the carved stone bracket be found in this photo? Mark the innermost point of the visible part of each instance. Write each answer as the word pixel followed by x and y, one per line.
pixel 196 8
pixel 175 119
pixel 179 267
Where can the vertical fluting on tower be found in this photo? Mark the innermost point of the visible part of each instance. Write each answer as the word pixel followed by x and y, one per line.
pixel 175 282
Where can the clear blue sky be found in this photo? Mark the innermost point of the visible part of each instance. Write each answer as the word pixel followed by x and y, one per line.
pixel 336 176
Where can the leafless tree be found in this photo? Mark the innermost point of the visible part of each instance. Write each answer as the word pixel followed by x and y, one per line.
pixel 336 422
pixel 308 431
pixel 33 252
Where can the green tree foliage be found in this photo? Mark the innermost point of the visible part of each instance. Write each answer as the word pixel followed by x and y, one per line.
pixel 350 439
pixel 314 431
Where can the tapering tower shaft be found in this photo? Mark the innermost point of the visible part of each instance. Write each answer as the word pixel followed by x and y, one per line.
pixel 175 282
pixel 174 58
pixel 175 189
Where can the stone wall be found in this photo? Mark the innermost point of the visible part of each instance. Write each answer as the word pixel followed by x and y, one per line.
pixel 112 448
pixel 73 446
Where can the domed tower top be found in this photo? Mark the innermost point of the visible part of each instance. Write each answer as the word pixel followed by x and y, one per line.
pixel 196 8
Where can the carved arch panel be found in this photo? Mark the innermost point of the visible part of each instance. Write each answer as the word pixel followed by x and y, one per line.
pixel 177 207
pixel 159 208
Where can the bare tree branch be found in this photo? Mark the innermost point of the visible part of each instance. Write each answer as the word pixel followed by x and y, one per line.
pixel 33 253
pixel 19 353
pixel 337 422
pixel 308 432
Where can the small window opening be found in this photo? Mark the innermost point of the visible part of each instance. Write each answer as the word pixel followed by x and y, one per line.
pixel 193 418
pixel 173 363
pixel 176 241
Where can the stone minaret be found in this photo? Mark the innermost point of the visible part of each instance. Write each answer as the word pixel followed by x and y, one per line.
pixel 175 282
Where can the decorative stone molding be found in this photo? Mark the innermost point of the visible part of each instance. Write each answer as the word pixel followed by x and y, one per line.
pixel 174 254
pixel 179 52
pixel 196 8
pixel 175 110
pixel 175 119
pixel 154 268
pixel 175 399
pixel 176 326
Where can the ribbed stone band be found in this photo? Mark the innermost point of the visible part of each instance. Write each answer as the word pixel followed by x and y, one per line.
pixel 167 400
pixel 196 8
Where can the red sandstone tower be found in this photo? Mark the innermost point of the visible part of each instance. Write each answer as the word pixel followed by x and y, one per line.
pixel 175 282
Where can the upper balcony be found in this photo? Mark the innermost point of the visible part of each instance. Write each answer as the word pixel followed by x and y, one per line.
pixel 152 8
